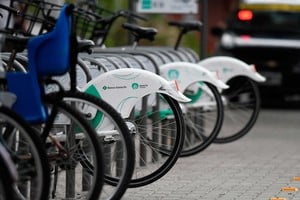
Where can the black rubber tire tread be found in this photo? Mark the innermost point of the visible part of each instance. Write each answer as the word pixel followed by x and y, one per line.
pixel 172 155
pixel 218 125
pixel 6 178
pixel 255 111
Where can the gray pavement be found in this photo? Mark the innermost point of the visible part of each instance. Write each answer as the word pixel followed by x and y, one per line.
pixel 259 166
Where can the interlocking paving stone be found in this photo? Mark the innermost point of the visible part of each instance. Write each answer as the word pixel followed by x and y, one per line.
pixel 255 167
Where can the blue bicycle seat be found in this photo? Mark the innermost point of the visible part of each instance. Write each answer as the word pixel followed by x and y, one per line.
pixel 29 103
pixel 48 55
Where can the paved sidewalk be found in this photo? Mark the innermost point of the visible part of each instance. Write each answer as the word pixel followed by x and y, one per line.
pixel 260 166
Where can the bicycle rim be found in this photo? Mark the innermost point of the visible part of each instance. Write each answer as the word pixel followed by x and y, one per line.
pixel 203 117
pixel 159 136
pixel 241 109
pixel 116 140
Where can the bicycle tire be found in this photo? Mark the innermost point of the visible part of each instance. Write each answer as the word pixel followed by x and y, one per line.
pixel 120 145
pixel 203 122
pixel 86 150
pixel 28 153
pixel 162 118
pixel 8 175
pixel 241 109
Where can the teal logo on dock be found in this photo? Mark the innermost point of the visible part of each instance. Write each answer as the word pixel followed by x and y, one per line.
pixel 146 4
pixel 135 86
pixel 173 74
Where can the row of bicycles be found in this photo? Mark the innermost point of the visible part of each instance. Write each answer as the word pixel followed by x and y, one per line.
pixel 83 121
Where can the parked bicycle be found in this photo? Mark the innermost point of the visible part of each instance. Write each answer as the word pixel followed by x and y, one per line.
pixel 167 89
pixel 72 147
pixel 241 102
pixel 195 143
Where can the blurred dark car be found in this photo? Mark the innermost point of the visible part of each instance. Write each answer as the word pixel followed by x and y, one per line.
pixel 268 35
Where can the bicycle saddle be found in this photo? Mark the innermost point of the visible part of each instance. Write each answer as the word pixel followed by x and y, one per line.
pixel 141 32
pixel 85 45
pixel 187 25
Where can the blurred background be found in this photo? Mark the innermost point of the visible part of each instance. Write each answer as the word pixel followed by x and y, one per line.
pixel 265 33
pixel 261 32
pixel 217 12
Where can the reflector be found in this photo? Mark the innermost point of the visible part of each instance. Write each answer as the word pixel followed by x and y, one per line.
pixel 245 15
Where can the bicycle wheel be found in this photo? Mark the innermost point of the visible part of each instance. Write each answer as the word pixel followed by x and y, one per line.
pixel 241 109
pixel 203 117
pixel 28 154
pixel 73 151
pixel 158 127
pixel 114 135
pixel 8 175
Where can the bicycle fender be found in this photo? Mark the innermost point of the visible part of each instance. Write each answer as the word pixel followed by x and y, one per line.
pixel 122 88
pixel 229 67
pixel 186 73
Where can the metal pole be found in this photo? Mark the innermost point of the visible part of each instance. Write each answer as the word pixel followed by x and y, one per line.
pixel 131 8
pixel 203 40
